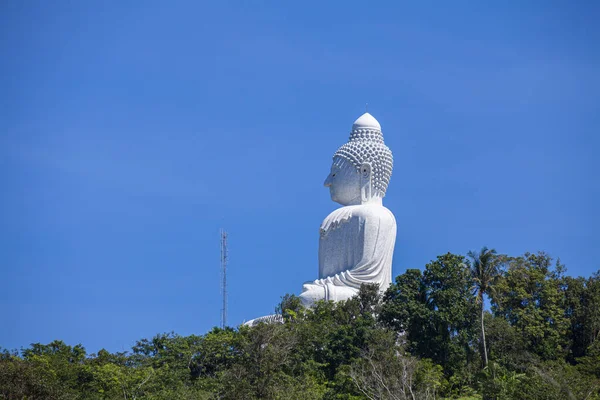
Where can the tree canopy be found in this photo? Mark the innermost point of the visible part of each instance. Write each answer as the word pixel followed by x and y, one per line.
pixel 426 337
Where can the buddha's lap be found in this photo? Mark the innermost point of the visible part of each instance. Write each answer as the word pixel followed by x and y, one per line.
pixel 326 291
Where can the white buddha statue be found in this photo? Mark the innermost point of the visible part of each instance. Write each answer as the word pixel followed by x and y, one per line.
pixel 357 240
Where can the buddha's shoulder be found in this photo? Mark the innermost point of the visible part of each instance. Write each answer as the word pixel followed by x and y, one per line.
pixel 373 211
pixel 366 212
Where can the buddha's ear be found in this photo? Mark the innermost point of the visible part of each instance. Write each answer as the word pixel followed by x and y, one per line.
pixel 365 171
pixel 365 182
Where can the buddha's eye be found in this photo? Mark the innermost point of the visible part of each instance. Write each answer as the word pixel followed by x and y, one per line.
pixel 332 175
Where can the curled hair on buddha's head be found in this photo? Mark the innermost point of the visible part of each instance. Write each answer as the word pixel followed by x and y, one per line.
pixel 366 145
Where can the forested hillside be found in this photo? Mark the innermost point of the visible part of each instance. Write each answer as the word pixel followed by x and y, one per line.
pixel 423 339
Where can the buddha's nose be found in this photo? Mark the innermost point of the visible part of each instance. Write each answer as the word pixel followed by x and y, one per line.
pixel 327 182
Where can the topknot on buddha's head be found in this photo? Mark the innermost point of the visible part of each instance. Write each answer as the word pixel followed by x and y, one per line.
pixel 366 146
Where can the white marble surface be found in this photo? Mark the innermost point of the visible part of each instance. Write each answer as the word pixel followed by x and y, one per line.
pixel 366 121
pixel 356 246
pixel 356 241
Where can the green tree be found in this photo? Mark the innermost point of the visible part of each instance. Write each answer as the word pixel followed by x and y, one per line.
pixel 217 351
pixel 506 345
pixel 406 305
pixel 289 307
pixel 386 371
pixel 530 296
pixel 114 381
pixel 265 368
pixel 484 270
pixel 63 362
pixel 436 311
pixel 582 308
pixel 30 379
pixel 576 312
pixel 593 308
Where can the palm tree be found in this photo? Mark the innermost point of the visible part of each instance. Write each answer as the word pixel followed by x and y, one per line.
pixel 483 271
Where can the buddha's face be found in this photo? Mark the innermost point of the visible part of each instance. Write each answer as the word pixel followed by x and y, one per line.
pixel 344 182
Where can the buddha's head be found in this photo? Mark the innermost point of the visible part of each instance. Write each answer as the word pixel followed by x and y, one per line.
pixel 361 168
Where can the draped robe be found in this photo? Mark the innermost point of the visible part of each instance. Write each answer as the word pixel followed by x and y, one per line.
pixel 356 246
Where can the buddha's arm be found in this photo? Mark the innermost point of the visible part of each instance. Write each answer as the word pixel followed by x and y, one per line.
pixel 376 239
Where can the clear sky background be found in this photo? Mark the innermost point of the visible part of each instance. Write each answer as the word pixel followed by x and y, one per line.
pixel 131 131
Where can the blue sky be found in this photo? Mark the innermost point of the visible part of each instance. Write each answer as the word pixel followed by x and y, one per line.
pixel 131 131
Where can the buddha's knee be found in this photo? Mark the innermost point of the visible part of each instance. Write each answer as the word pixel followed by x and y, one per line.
pixel 311 294
pixel 340 293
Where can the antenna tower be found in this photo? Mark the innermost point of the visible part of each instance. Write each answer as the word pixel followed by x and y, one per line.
pixel 224 278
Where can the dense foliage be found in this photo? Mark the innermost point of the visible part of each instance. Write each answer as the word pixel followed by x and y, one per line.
pixel 428 337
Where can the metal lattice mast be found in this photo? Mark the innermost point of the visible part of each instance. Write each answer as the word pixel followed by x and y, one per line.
pixel 224 278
